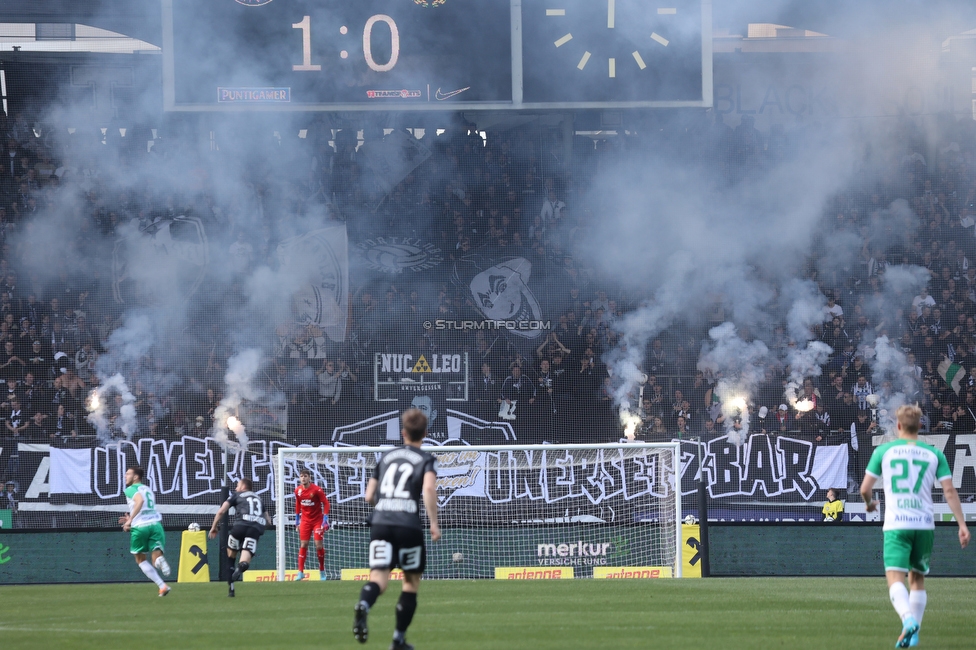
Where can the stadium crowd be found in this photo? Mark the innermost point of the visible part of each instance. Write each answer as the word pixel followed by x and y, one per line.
pixel 509 193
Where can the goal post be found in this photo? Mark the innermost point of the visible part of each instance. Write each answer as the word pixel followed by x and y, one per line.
pixel 515 511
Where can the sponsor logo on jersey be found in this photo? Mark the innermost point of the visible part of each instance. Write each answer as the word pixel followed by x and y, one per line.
pixel 532 573
pixel 630 572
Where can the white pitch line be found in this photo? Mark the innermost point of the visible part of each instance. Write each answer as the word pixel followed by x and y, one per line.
pixel 66 630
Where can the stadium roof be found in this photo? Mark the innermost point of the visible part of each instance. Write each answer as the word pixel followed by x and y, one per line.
pixel 140 19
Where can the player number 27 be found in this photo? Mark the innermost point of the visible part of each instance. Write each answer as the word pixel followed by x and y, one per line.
pixel 902 468
pixel 387 488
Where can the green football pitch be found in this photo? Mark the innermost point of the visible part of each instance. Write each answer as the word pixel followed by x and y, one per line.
pixel 714 613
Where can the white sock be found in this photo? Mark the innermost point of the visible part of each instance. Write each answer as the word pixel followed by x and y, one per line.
pixel 162 565
pixel 151 573
pixel 899 598
pixel 917 600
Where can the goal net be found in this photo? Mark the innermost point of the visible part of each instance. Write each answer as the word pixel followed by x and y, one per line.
pixel 539 511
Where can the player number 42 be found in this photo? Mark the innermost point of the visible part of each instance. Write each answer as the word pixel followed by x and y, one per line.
pixel 390 487
pixel 900 465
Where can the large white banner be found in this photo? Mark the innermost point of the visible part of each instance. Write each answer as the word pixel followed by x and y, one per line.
pixel 315 268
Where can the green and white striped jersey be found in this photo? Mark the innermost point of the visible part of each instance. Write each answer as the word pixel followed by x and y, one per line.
pixel 910 469
pixel 147 515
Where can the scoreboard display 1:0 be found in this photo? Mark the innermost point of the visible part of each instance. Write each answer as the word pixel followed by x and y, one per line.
pixel 302 54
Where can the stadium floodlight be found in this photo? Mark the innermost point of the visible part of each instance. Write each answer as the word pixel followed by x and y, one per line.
pixel 601 510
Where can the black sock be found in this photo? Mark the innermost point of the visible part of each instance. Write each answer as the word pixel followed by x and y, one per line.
pixel 405 608
pixel 370 592
pixel 243 566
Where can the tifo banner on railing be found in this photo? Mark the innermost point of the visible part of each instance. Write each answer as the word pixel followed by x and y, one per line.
pixel 186 473
pixel 772 466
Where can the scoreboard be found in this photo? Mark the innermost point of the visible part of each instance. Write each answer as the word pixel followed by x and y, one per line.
pixel 426 55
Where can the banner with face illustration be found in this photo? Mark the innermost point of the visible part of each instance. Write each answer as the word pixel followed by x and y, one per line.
pixel 168 256
pixel 501 289
pixel 315 270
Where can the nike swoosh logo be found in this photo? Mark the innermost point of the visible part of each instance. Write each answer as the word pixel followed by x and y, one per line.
pixel 439 96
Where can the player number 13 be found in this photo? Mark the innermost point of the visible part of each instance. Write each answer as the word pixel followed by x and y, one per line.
pixel 306 28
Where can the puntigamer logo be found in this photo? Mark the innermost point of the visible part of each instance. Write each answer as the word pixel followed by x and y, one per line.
pixel 577 553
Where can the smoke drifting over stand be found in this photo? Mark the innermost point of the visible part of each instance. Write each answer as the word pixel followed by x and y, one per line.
pixel 240 257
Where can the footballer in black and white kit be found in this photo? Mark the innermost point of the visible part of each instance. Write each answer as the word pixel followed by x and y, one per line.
pixel 401 479
pixel 249 523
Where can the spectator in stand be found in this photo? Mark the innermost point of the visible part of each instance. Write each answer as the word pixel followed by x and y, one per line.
pixel 782 421
pixel 681 429
pixel 862 431
pixel 547 388
pixel 330 384
pixel 486 390
pixel 34 396
pixel 302 383
pixel 861 390
pixel 516 390
pixel 38 430
pixel 709 431
pixel 16 421
pixel 8 501
pixel 63 424
pixel 832 310
pixel 11 365
pixel 833 509
pixel 85 360
pixel 923 299
pixel 58 342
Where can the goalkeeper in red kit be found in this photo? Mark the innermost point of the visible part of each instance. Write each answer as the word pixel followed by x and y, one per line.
pixel 311 520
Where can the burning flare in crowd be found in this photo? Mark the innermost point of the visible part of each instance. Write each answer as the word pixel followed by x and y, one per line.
pixel 804 405
pixel 99 408
pixel 629 421
pixel 239 378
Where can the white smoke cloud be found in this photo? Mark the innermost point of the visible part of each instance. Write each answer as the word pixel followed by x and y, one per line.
pixel 242 369
pixel 101 406
pixel 739 367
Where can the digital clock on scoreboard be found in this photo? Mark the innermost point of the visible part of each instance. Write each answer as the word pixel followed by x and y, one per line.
pixel 435 54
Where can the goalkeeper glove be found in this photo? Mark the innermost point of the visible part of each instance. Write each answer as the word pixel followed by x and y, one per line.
pixel 325 523
pixel 298 519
